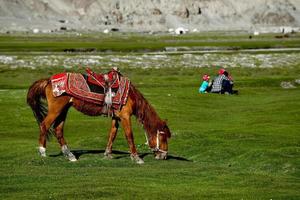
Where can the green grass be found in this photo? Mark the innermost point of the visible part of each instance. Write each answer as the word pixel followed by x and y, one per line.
pixel 140 42
pixel 222 147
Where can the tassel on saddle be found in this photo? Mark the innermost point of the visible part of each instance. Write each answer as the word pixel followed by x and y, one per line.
pixel 107 81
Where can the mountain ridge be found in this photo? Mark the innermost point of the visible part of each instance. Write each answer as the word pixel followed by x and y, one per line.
pixel 151 15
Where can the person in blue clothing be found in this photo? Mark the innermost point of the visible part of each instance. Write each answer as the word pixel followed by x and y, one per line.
pixel 205 86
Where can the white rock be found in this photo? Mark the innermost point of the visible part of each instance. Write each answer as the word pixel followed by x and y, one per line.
pixel 36 30
pixel 180 31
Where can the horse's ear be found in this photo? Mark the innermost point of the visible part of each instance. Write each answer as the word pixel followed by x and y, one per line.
pixel 161 124
pixel 166 128
pixel 165 122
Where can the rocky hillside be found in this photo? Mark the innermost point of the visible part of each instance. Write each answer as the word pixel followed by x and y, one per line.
pixel 147 15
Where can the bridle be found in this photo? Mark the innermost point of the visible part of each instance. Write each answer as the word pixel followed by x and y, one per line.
pixel 157 149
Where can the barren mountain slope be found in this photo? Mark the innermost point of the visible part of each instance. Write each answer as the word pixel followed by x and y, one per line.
pixel 145 15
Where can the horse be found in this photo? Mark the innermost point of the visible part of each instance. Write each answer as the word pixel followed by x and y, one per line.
pixel 51 112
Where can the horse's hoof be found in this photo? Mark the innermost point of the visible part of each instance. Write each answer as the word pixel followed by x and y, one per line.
pixel 72 159
pixel 68 154
pixel 137 159
pixel 161 156
pixel 140 161
pixel 42 151
pixel 108 156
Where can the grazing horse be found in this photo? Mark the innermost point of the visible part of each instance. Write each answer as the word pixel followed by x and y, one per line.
pixel 51 112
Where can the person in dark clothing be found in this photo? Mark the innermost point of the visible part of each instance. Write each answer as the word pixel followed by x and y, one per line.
pixel 223 83
pixel 218 82
pixel 227 85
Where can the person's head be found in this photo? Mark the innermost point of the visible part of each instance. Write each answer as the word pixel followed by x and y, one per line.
pixel 225 73
pixel 221 71
pixel 206 77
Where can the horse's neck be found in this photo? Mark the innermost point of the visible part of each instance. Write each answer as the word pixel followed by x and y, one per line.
pixel 145 114
pixel 151 124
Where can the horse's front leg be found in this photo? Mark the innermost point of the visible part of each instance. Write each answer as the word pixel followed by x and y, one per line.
pixel 126 124
pixel 111 137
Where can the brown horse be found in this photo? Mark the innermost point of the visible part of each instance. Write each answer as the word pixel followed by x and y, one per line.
pixel 51 115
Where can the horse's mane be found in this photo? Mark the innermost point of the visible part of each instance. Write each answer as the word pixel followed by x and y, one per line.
pixel 144 112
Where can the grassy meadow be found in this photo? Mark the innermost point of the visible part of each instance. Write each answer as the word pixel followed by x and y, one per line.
pixel 245 146
pixel 121 42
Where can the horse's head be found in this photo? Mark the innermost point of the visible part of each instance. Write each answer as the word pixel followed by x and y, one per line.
pixel 161 141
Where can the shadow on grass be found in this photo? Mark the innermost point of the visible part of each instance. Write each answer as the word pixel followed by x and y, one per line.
pixel 118 154
pixel 170 157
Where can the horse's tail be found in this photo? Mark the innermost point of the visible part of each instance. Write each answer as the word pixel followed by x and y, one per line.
pixel 36 99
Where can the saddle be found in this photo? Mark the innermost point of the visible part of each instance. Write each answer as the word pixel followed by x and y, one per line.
pixel 109 90
pixel 110 79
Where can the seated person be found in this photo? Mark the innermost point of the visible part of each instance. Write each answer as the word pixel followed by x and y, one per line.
pixel 227 85
pixel 205 86
pixel 223 83
pixel 218 82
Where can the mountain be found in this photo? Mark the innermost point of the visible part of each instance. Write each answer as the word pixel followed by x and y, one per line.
pixel 148 15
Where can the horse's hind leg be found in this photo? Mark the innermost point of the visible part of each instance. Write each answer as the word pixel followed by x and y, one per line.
pixel 111 137
pixel 59 133
pixel 44 127
pixel 55 107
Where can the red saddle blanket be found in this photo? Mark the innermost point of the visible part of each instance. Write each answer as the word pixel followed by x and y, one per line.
pixel 74 84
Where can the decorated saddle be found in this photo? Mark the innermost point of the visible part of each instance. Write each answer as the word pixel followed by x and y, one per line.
pixel 108 90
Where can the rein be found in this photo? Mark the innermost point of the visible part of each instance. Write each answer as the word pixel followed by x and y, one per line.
pixel 157 142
